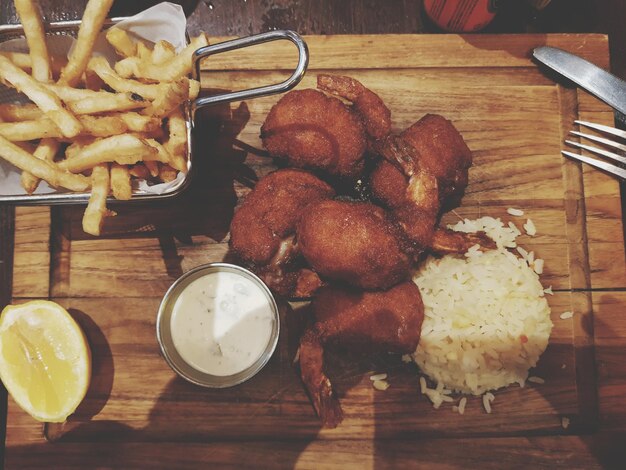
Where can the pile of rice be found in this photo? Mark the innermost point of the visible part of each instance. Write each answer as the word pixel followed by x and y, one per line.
pixel 487 321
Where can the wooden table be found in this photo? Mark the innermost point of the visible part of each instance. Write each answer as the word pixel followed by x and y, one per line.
pixel 601 447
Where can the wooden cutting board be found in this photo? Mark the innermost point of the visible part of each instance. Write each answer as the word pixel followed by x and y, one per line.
pixel 513 116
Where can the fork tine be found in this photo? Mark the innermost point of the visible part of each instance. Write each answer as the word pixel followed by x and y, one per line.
pixel 602 128
pixel 600 140
pixel 604 153
pixel 621 173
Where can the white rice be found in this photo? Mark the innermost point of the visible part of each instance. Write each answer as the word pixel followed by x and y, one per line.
pixel 423 386
pixel 515 212
pixel 375 377
pixel 486 404
pixel 381 385
pixel 462 404
pixel 530 228
pixel 487 321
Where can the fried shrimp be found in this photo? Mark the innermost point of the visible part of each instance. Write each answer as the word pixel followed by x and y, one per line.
pixel 424 173
pixel 309 129
pixel 354 243
pixel 375 114
pixel 369 322
pixel 263 229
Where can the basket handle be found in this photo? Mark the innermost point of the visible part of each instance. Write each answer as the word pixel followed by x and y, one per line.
pixel 292 81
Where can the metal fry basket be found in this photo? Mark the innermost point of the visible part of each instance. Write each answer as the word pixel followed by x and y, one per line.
pixel 70 28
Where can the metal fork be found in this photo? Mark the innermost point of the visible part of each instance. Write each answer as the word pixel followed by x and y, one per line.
pixel 616 170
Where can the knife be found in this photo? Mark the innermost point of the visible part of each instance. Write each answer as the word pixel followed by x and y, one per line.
pixel 592 78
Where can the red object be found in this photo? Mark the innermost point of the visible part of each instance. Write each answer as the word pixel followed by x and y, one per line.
pixel 460 16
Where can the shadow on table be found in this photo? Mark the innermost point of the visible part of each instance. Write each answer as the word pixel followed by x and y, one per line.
pixel 208 424
pixel 102 367
pixel 205 207
pixel 485 440
pixel 214 433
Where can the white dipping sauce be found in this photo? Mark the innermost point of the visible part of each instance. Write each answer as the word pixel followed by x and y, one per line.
pixel 221 323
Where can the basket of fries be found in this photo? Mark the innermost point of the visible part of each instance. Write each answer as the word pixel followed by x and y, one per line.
pixel 103 109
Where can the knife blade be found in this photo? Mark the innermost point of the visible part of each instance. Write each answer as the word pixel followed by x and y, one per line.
pixel 590 77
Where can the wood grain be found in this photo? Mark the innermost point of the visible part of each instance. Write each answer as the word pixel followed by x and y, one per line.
pixel 603 450
pixel 409 51
pixel 567 452
pixel 7 233
pixel 276 400
pixel 513 117
pixel 132 441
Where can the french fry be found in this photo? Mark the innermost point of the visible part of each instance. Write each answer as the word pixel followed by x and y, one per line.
pixel 124 149
pixel 19 59
pixel 46 151
pixel 161 155
pixel 162 52
pixel 194 89
pixel 92 81
pixel 29 130
pixel 30 16
pixel 41 169
pixel 167 173
pixel 78 143
pixel 120 182
pixel 15 112
pixel 68 93
pixel 144 53
pixel 172 98
pixel 96 207
pixel 139 123
pixel 46 100
pixel 128 67
pixel 176 144
pixel 139 171
pixel 95 13
pixel 78 94
pixel 103 104
pixel 101 126
pixel 24 61
pixel 153 167
pixel 173 69
pixel 100 66
pixel 121 42
pixel 157 134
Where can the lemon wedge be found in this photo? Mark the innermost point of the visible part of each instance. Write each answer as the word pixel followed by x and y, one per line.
pixel 45 361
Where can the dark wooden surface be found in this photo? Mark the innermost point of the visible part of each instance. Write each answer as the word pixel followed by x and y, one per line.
pixel 241 17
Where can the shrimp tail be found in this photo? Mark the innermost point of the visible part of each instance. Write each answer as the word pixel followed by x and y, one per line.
pixel 318 385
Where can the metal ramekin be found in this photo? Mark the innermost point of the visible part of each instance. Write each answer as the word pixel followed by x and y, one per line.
pixel 164 336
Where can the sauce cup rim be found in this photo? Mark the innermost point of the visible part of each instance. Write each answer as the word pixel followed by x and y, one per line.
pixel 164 338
